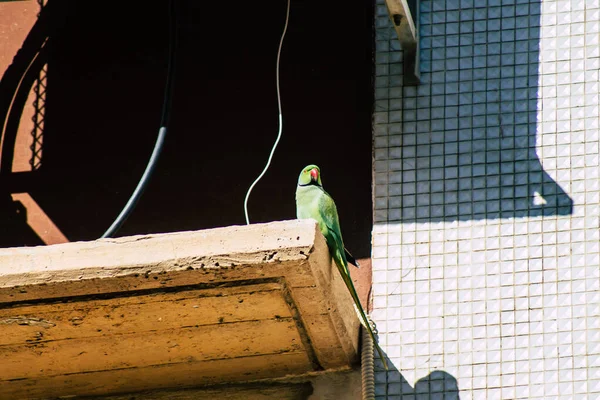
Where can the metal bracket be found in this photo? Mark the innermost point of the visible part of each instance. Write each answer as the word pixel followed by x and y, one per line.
pixel 405 17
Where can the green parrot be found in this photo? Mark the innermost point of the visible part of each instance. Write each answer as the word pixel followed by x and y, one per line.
pixel 312 201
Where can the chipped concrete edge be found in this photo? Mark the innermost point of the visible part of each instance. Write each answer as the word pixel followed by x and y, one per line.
pixel 108 258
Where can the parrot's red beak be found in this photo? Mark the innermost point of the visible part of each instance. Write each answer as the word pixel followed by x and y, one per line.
pixel 314 174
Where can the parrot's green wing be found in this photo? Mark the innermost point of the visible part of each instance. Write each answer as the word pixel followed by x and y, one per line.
pixel 333 233
pixel 332 221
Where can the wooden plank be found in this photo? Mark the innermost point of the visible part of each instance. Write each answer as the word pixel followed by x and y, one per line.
pixel 321 329
pixel 154 348
pixel 160 311
pixel 286 391
pixel 181 375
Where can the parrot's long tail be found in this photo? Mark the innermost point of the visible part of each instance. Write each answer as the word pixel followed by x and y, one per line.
pixel 362 315
pixel 366 324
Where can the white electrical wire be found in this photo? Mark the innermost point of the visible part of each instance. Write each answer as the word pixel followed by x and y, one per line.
pixel 287 17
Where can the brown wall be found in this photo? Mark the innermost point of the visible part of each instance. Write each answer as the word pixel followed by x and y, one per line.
pixel 16 19
pixel 106 75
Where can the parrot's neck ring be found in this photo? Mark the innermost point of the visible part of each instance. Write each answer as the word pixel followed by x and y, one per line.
pixel 309 184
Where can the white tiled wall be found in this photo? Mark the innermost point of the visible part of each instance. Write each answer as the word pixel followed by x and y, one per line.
pixel 486 244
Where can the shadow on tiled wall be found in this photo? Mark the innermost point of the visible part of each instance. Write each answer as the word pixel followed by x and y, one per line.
pixel 437 385
pixel 462 145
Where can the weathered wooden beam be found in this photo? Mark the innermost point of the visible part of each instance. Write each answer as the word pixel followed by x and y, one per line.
pixel 176 310
pixel 337 384
pixel 290 391
pixel 406 25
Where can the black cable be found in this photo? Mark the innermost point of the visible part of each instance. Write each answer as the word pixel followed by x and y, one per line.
pixel 162 132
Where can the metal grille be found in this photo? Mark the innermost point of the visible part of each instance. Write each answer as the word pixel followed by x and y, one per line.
pixel 39 105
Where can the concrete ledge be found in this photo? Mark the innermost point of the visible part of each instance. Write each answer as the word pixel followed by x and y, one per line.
pixel 178 310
